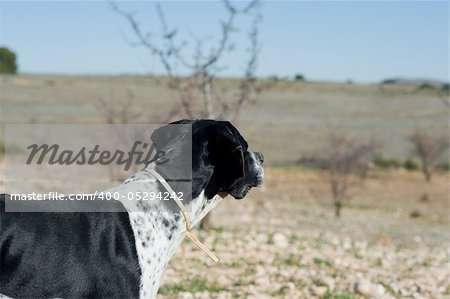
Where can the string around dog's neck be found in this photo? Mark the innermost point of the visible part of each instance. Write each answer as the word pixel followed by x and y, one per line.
pixel 185 215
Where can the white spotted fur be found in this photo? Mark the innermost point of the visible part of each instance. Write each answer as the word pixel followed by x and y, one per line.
pixel 258 166
pixel 154 259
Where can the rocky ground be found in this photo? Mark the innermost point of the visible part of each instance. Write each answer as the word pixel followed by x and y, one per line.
pixel 261 265
pixel 282 242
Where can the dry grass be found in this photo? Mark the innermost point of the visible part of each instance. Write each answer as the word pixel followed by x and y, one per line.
pixel 289 120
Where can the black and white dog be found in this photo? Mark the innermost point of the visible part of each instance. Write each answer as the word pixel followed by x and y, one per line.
pixel 124 254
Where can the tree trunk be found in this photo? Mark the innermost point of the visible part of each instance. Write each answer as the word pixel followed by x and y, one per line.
pixel 338 206
pixel 426 172
pixel 205 224
pixel 206 90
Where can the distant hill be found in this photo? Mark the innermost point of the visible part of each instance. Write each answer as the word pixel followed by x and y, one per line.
pixel 288 121
pixel 415 81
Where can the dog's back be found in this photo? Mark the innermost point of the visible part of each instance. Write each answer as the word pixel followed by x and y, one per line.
pixel 41 256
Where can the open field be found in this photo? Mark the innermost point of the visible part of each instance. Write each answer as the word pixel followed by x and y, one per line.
pixel 283 241
pixel 291 119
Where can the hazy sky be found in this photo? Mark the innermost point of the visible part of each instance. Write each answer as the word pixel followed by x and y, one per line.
pixel 363 41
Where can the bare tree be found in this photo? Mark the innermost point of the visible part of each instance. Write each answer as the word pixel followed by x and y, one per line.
pixel 429 147
pixel 444 94
pixel 345 161
pixel 198 93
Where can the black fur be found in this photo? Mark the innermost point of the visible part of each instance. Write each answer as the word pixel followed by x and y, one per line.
pixel 220 157
pixel 67 255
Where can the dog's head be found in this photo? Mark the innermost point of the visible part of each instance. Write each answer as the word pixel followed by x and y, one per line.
pixel 221 161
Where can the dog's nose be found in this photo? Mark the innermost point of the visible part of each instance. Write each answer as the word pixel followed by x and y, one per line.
pixel 260 157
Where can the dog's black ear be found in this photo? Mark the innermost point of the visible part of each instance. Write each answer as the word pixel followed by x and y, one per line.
pixel 226 149
pixel 163 137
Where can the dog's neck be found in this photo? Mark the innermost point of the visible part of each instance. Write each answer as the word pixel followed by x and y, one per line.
pixel 158 228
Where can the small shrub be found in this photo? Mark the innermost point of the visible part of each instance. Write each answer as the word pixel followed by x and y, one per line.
pixel 242 282
pixel 50 82
pixel 411 164
pixel 444 166
pixel 218 229
pixel 424 198
pixel 385 163
pixel 415 214
pixel 12 148
pixel 2 147
pixel 388 288
pixel 8 64
pixel 390 81
pixel 270 240
pixel 274 78
pixel 193 285
pixel 447 290
pixel 299 283
pixel 172 288
pixel 338 294
pixel 426 86
pixel 292 260
pixel 281 291
pixel 299 77
pixel 320 261
pixel 429 147
pixel 319 282
pixel 445 87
